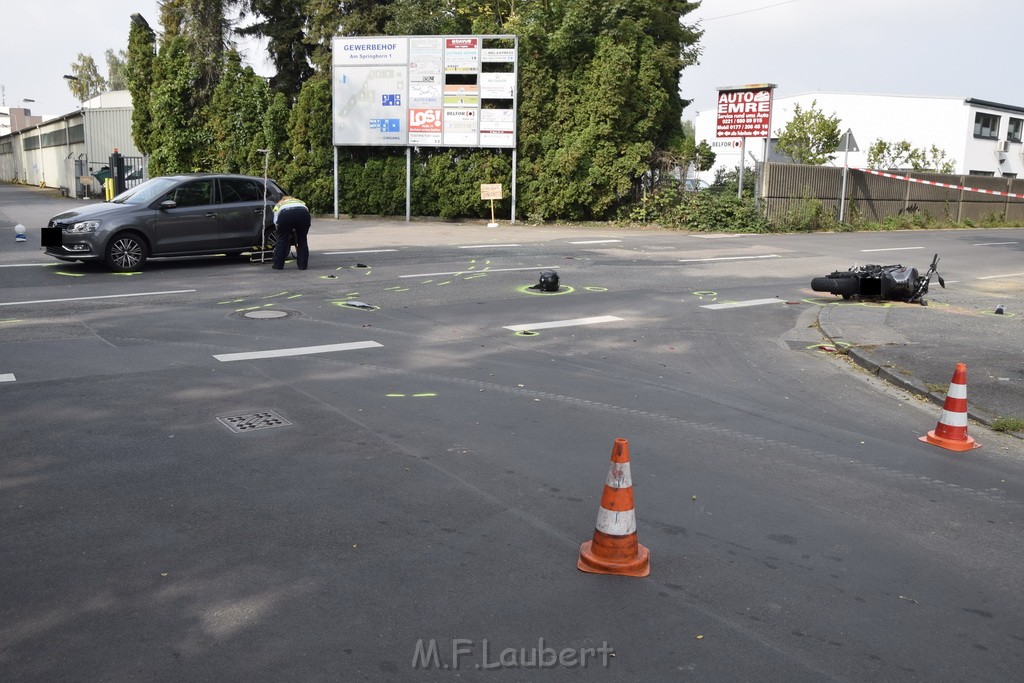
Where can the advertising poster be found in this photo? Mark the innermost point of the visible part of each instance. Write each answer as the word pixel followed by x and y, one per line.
pixel 745 111
pixel 425 91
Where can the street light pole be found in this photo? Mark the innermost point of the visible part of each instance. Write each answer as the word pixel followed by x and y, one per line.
pixel 39 137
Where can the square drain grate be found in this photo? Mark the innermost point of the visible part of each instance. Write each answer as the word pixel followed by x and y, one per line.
pixel 253 421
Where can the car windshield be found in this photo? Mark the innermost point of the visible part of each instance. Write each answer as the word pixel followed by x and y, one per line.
pixel 145 193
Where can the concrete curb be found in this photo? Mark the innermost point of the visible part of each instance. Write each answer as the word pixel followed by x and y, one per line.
pixel 886 372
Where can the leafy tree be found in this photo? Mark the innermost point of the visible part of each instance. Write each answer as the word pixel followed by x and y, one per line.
pixel 235 122
pixel 810 137
pixel 178 144
pixel 283 24
pixel 902 155
pixel 138 73
pixel 598 98
pixel 89 83
pixel 309 172
pixel 205 26
pixel 116 78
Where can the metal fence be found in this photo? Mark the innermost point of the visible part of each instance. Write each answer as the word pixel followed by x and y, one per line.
pixel 872 198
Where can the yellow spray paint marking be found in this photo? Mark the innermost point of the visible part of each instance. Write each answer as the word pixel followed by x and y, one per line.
pixel 12 320
pixel 268 305
pixel 423 395
pixel 826 347
pixel 294 296
pixel 402 289
pixel 394 395
pixel 250 308
pixel 596 289
pixel 61 272
pixel 234 301
pixel 446 282
pixel 703 294
pixel 426 282
pixel 1004 314
pixel 274 296
pixel 474 277
pixel 526 333
pixel 527 289
pixel 127 274
pixel 390 289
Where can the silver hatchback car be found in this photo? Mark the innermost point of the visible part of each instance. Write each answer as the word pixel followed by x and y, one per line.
pixel 180 215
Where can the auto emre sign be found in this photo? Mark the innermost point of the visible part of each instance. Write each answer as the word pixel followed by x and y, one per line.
pixel 745 111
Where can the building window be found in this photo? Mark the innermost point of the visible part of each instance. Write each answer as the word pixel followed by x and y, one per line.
pixel 984 173
pixel 986 126
pixel 1009 175
pixel 1014 130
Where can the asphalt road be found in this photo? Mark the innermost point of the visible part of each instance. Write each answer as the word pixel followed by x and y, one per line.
pixel 422 475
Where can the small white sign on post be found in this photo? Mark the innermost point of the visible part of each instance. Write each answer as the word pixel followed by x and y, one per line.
pixel 491 191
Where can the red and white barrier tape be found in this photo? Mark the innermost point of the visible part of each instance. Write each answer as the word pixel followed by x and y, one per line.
pixel 1014 195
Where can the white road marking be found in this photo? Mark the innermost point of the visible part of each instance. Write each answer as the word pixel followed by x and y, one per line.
pixel 298 351
pixel 741 304
pixel 993 277
pixel 893 249
pixel 484 246
pixel 596 242
pixel 365 251
pixel 726 258
pixel 90 298
pixel 562 323
pixel 991 244
pixel 8 377
pixel 478 272
pixel 26 265
pixel 717 237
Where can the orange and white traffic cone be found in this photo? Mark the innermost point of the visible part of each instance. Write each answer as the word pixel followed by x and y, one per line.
pixel 614 548
pixel 951 431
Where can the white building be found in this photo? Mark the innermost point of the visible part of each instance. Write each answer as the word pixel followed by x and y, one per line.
pixel 60 152
pixel 979 137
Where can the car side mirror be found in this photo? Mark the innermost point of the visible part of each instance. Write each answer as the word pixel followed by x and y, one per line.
pixel 167 204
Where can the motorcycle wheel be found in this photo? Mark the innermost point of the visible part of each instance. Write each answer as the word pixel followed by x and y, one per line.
pixel 846 287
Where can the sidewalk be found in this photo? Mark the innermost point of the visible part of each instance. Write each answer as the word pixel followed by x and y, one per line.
pixel 917 347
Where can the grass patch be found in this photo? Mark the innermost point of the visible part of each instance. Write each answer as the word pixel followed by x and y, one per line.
pixel 1008 424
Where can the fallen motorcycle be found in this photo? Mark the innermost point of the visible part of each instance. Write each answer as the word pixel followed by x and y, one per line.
pixel 883 283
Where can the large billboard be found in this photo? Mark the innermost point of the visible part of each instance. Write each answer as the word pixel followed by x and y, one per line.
pixel 745 111
pixel 425 91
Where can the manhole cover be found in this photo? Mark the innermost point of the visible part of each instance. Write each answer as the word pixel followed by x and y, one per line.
pixel 253 421
pixel 264 315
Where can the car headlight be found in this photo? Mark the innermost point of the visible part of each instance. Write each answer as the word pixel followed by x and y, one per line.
pixel 84 227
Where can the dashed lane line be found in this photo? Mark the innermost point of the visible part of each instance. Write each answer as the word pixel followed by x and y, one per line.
pixel 727 258
pixel 477 272
pixel 297 351
pixel 562 323
pixel 92 298
pixel 892 249
pixel 7 377
pixel 364 251
pixel 742 304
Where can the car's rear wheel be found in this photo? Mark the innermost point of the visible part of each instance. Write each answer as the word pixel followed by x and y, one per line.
pixel 126 252
pixel 846 287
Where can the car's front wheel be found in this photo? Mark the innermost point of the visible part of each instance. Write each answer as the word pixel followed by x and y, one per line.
pixel 126 252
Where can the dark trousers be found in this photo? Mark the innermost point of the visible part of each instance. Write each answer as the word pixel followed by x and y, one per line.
pixel 292 224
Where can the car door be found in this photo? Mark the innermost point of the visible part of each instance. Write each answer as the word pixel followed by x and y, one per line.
pixel 193 223
pixel 240 208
